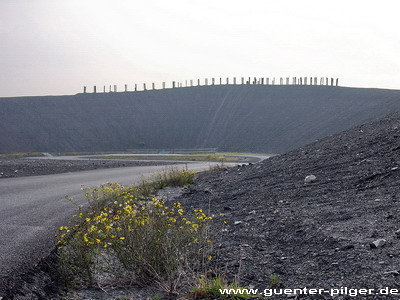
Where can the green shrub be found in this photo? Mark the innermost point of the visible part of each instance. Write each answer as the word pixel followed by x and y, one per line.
pixel 129 235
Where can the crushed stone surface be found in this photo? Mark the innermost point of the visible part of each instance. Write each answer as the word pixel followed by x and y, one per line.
pixel 318 233
pixel 339 228
pixel 18 167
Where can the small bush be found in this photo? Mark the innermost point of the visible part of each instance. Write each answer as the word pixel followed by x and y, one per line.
pixel 133 236
pixel 173 177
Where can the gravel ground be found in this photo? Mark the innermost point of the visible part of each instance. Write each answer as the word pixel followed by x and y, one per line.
pixel 314 234
pixel 17 167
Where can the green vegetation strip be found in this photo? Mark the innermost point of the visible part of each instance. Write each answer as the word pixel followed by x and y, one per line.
pixel 175 158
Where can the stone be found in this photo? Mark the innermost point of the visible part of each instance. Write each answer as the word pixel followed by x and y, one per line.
pixel 394 273
pixel 346 247
pixel 310 178
pixel 238 222
pixel 378 243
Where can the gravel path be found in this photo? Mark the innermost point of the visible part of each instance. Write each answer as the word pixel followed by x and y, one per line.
pixel 32 167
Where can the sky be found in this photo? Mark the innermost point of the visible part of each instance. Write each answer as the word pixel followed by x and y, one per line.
pixel 55 47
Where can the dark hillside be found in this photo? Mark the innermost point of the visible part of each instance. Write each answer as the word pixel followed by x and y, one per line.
pixel 255 118
pixel 315 234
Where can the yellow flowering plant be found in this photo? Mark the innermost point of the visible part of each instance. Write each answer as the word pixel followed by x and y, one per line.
pixel 151 239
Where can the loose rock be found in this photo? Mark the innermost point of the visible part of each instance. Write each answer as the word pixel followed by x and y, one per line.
pixel 310 178
pixel 378 243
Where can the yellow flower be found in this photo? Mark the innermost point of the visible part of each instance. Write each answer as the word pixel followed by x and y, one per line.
pixel 85 238
pixel 122 238
pixel 128 209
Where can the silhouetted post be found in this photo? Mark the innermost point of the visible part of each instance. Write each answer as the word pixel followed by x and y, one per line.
pixel 220 80
pixel 94 89
pixel 84 89
pixel 249 81
pixel 234 80
pixel 213 81
pixel 305 80
pixel 110 89
pixel 273 81
pixel 126 87
pixel 191 82
pixel 326 81
pixel 198 82
pixel 206 81
pixel 173 84
pixel 153 86
pixel 294 81
pixel 242 80
pixel 332 81
pixel 301 80
pixel 267 81
pixel 321 81
pixel 163 85
pixel 135 87
pixel 227 80
pixel 337 81
pixel 104 88
pixel 262 81
pixel 144 86
pixel 315 80
pixel 287 80
pixel 311 81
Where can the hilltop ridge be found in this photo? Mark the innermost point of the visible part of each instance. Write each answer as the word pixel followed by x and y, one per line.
pixel 256 118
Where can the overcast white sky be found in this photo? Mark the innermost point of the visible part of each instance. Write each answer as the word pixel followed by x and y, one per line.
pixel 57 47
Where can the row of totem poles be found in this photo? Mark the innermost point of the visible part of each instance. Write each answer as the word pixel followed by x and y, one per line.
pixel 213 81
